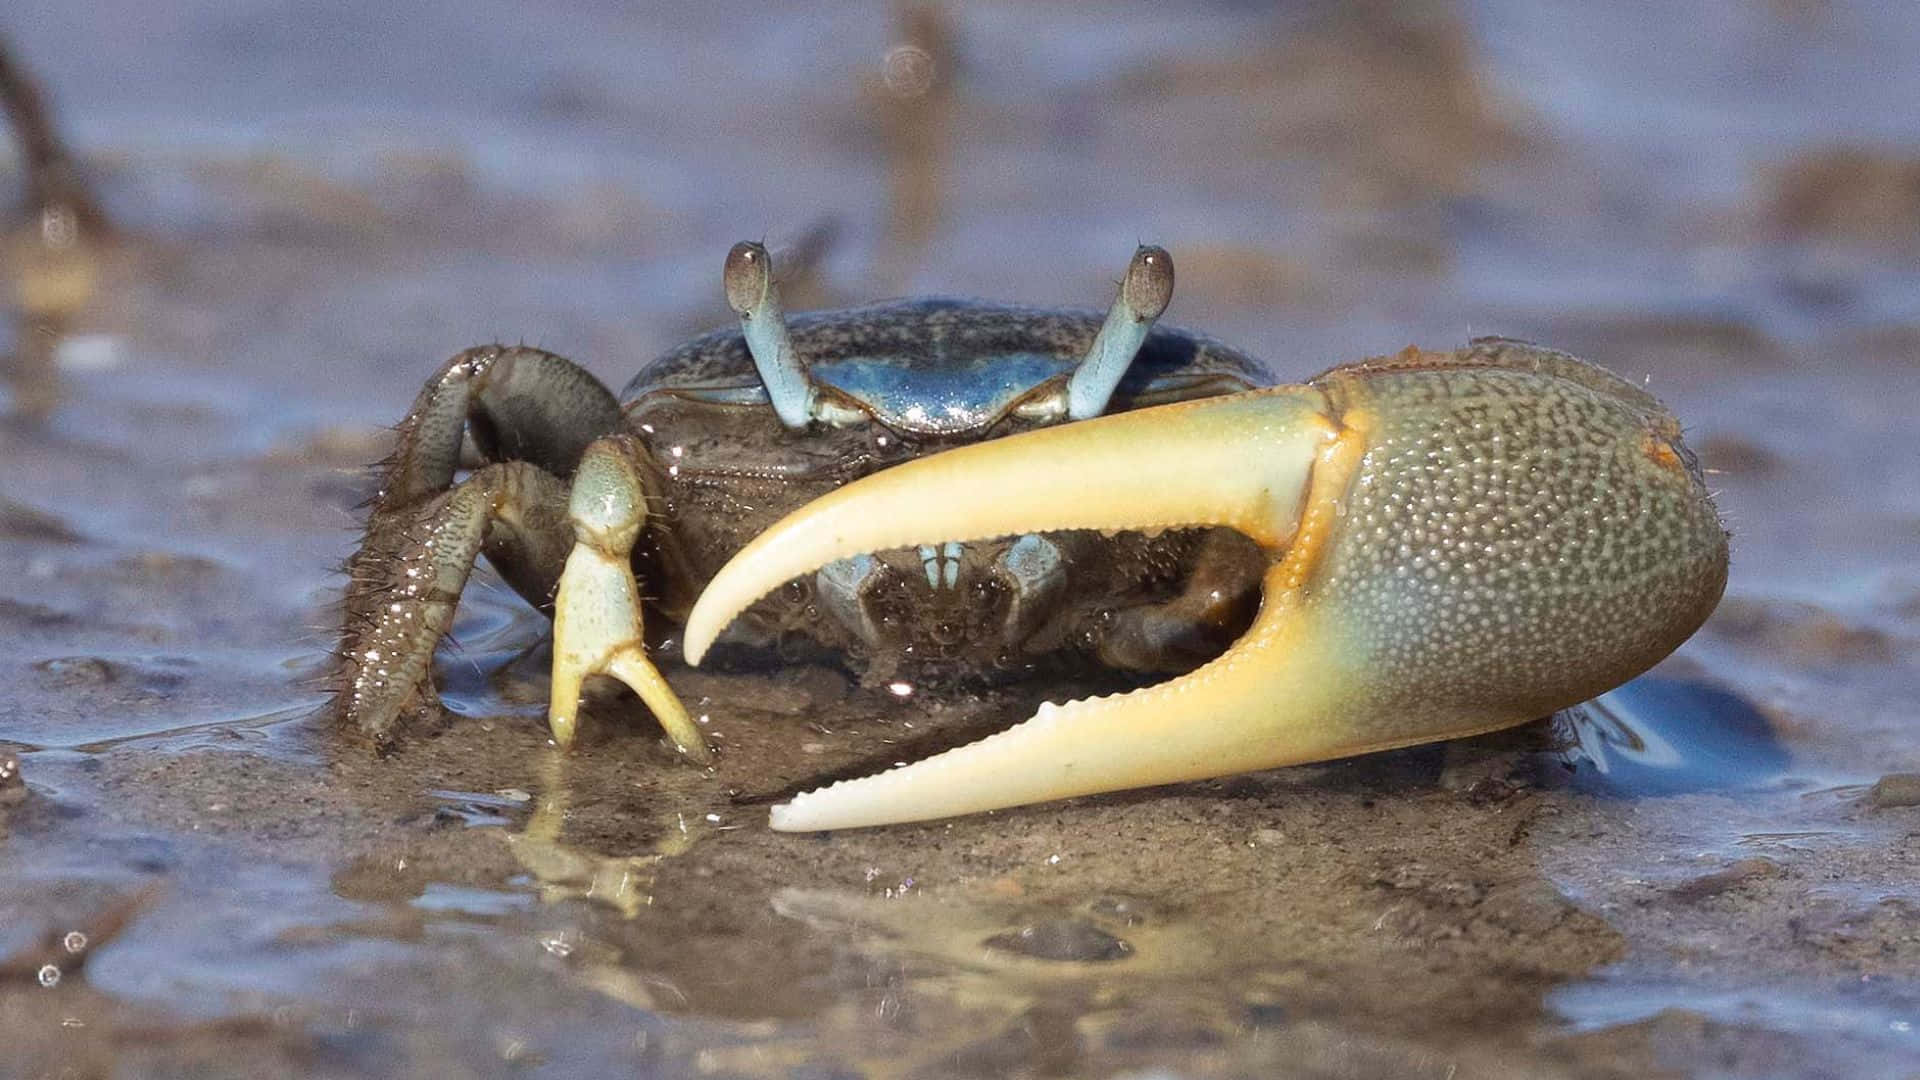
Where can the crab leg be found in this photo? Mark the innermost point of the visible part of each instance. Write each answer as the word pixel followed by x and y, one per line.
pixel 54 184
pixel 1461 542
pixel 407 579
pixel 532 414
pixel 54 258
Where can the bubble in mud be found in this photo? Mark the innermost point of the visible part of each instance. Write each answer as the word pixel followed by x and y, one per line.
pixel 49 975
pixel 74 942
pixel 1062 939
pixel 79 670
pixel 1895 790
pixel 908 71
pixel 1127 910
pixel 13 786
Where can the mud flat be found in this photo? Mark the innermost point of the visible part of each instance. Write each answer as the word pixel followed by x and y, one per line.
pixel 1712 872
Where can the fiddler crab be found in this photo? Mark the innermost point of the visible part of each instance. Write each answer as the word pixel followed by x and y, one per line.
pixel 1400 550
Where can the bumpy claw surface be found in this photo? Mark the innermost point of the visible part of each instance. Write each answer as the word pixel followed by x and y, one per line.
pixel 1460 541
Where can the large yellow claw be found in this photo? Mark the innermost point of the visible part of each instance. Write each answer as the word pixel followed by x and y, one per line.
pixel 1461 541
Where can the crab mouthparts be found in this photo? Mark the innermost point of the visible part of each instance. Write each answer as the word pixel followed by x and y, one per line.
pixel 1268 464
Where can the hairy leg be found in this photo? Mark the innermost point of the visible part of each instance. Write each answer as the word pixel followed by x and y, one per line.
pixel 532 414
pixel 408 574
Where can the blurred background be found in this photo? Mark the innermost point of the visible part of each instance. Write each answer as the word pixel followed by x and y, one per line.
pixel 1337 179
pixel 285 215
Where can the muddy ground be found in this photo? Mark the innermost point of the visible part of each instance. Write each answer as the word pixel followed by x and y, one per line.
pixel 1715 872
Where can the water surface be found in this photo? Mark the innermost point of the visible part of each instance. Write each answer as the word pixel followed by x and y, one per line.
pixel 318 206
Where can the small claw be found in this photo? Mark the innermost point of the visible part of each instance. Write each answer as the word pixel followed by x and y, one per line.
pixel 1461 542
pixel 596 612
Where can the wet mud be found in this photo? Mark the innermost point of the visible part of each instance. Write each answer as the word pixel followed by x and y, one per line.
pixel 1711 872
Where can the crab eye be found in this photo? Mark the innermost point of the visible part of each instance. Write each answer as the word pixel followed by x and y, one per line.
pixel 746 276
pixel 1144 294
pixel 751 293
pixel 1148 286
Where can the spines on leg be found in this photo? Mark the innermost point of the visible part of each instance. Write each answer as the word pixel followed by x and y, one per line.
pixel 534 409
pixel 404 585
pixel 407 577
pixel 517 404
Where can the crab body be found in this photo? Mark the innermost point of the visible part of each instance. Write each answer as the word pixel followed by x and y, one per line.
pixel 912 377
pixel 1399 550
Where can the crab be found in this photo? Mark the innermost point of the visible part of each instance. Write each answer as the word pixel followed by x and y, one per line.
pixel 52 259
pixel 1400 550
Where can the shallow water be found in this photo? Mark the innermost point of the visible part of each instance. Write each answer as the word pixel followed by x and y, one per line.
pixel 1661 736
pixel 319 207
